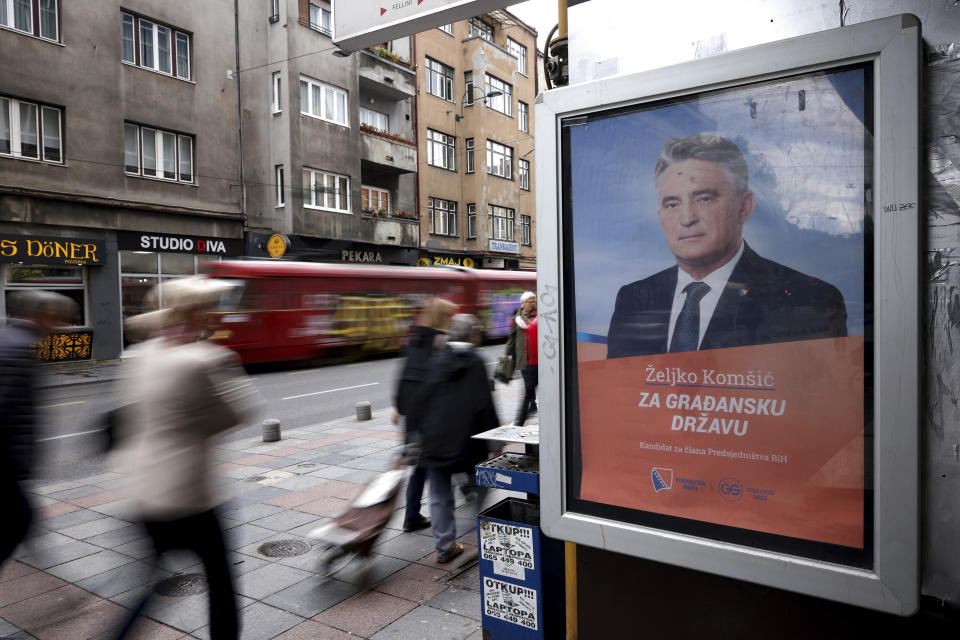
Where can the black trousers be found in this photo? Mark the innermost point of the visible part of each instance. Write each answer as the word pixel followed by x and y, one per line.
pixel 530 381
pixel 17 517
pixel 202 534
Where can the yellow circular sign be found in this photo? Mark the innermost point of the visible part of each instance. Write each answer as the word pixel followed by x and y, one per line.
pixel 468 262
pixel 277 245
pixel 423 262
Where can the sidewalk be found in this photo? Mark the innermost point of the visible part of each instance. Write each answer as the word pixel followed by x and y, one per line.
pixel 60 374
pixel 87 562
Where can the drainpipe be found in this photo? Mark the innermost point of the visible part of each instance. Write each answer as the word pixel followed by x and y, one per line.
pixel 416 134
pixel 236 49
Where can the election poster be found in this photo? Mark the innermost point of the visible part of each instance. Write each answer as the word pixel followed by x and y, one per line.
pixel 721 290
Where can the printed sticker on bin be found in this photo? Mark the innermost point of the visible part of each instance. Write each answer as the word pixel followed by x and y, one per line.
pixel 508 546
pixel 510 602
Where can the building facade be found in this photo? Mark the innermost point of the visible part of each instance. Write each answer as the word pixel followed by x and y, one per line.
pixel 477 83
pixel 329 153
pixel 119 162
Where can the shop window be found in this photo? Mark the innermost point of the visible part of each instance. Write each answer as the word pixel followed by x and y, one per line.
pixel 142 271
pixel 65 280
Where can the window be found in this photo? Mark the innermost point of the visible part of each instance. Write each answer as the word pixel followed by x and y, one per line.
pixel 374 119
pixel 19 15
pixel 441 150
pixel 155 153
pixel 523 172
pixel 320 19
pixel 520 51
pixel 502 220
pixel 153 46
pixel 326 191
pixel 323 101
pixel 468 88
pixel 480 28
pixel 278 173
pixel 523 117
pixel 30 130
pixel 504 102
pixel 443 216
pixel 277 95
pixel 274 10
pixel 525 230
pixel 470 161
pixel 439 79
pixel 374 199
pixel 471 220
pixel 446 28
pixel 499 159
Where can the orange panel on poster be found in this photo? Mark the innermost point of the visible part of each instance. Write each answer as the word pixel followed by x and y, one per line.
pixel 767 438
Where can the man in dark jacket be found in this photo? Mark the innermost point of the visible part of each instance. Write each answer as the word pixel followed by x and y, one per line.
pixel 426 339
pixel 33 315
pixel 454 403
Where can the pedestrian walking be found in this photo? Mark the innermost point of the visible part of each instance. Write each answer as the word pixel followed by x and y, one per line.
pixel 427 338
pixel 453 404
pixel 182 391
pixel 33 315
pixel 522 350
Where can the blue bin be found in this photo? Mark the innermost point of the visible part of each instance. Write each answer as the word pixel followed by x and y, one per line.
pixel 521 573
pixel 512 471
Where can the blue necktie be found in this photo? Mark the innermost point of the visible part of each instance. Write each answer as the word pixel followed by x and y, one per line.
pixel 686 333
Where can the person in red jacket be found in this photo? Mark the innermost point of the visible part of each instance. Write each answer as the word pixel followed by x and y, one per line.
pixel 522 348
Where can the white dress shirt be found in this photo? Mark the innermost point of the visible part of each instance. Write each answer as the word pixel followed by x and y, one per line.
pixel 717 281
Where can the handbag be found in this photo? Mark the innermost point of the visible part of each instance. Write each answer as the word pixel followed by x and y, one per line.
pixel 505 369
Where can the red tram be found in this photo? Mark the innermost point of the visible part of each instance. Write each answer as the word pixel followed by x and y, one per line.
pixel 294 310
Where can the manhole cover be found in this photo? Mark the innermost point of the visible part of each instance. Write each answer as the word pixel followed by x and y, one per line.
pixel 255 478
pixel 188 584
pixel 284 548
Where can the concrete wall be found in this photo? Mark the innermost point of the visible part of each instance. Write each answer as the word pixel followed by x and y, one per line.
pixel 98 92
pixel 289 46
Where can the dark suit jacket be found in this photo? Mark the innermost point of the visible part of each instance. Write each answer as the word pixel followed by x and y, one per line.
pixel 763 302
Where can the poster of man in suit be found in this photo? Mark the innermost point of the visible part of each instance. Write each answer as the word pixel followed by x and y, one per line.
pixel 721 292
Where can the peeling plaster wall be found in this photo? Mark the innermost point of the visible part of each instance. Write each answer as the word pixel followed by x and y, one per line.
pixel 941 446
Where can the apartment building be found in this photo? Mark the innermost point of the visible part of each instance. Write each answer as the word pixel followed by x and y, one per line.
pixel 477 83
pixel 119 162
pixel 329 150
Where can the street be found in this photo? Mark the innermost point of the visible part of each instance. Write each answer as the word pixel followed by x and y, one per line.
pixel 297 396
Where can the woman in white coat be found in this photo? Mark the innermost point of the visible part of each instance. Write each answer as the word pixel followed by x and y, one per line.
pixel 182 391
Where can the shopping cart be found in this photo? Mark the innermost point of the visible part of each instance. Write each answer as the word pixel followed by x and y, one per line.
pixel 352 534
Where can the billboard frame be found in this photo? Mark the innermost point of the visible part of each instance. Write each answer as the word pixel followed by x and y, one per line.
pixel 892 45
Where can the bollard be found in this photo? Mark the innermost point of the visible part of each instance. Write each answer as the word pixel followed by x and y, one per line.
pixel 271 430
pixel 364 411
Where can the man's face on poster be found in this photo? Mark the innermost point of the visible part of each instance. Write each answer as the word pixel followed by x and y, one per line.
pixel 701 214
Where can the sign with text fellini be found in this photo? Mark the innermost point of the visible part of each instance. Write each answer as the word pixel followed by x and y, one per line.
pixel 358 24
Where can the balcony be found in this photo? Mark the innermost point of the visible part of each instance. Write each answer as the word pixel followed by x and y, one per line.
pixel 382 76
pixel 396 228
pixel 388 152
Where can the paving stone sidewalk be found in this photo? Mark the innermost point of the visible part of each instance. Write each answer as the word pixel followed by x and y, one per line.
pixel 87 561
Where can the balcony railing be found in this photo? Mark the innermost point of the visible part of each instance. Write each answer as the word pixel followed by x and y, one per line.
pixel 383 214
pixel 391 56
pixel 394 137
